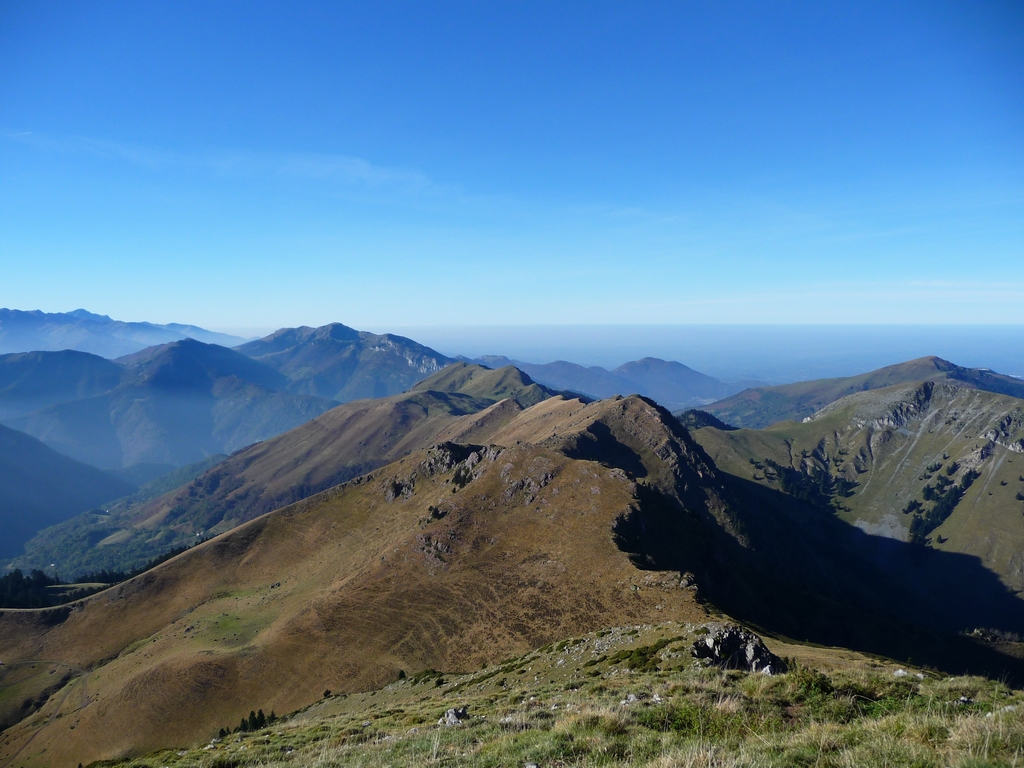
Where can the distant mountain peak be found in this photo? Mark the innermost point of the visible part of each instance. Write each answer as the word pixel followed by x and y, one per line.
pixel 26 331
pixel 85 314
pixel 344 364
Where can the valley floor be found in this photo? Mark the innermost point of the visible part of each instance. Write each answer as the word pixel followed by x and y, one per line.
pixel 635 696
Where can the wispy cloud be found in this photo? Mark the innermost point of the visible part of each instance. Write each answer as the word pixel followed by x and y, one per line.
pixel 339 168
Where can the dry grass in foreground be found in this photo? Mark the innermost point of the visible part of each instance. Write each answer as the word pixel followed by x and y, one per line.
pixel 634 696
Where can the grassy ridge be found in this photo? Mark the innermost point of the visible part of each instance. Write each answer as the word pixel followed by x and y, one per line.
pixel 343 443
pixel 758 407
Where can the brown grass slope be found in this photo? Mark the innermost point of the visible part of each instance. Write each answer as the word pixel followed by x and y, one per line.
pixel 892 443
pixel 576 517
pixel 759 407
pixel 479 381
pixel 450 558
pixel 336 446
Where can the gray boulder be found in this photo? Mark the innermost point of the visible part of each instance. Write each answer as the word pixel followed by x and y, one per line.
pixel 454 716
pixel 731 647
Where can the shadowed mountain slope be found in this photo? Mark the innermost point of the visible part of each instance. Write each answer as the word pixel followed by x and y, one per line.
pixel 336 446
pixel 343 364
pixel 672 384
pixel 932 462
pixel 761 406
pixel 175 405
pixel 33 380
pixel 181 364
pixel 578 516
pixel 97 334
pixel 39 487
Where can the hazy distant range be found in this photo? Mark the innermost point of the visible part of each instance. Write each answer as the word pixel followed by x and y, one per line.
pixel 773 353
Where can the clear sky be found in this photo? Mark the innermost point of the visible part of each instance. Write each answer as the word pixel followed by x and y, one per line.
pixel 255 165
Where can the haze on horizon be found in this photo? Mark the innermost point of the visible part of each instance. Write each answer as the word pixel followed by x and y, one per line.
pixel 236 165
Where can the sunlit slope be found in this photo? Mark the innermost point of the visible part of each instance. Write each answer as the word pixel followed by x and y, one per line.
pixel 636 696
pixel 888 445
pixel 405 570
pixel 478 381
pixel 571 517
pixel 760 406
pixel 336 446
pixel 341 444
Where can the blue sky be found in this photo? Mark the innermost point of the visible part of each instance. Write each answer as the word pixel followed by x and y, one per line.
pixel 248 165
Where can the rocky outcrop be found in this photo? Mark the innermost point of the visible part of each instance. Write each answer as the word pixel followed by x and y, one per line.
pixel 731 647
pixel 454 716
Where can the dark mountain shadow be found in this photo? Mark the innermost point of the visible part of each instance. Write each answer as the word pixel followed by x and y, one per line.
pixel 803 573
pixel 606 449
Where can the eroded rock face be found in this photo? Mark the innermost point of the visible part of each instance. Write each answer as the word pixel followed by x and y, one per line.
pixel 732 647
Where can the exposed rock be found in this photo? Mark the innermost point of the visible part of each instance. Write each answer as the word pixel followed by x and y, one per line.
pixel 443 457
pixel 454 716
pixel 732 647
pixel 399 488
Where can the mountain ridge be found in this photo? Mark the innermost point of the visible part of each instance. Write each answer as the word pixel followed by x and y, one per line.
pixel 333 447
pixel 760 407
pixel 570 516
pixel 342 364
pixel 929 461
pixel 35 330
pixel 174 404
pixel 672 384
pixel 31 381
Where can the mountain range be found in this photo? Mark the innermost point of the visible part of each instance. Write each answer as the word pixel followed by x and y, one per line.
pixel 758 407
pixel 172 405
pixel 331 448
pixel 932 462
pixel 672 384
pixel 30 331
pixel 514 527
pixel 386 511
